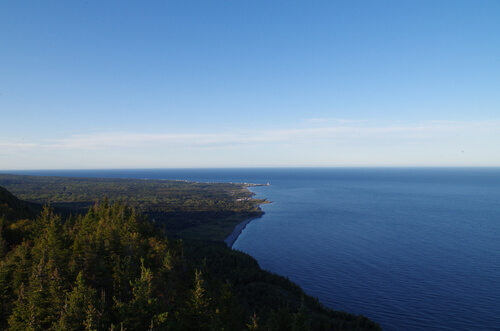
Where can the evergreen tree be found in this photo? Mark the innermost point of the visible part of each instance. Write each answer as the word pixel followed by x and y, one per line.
pixel 197 315
pixel 280 320
pixel 3 242
pixel 22 317
pixel 229 313
pixel 111 270
pixel 40 302
pixel 81 308
pixel 143 310
pixel 301 320
pixel 254 322
pixel 50 240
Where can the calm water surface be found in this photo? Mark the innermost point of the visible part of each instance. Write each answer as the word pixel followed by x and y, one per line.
pixel 413 249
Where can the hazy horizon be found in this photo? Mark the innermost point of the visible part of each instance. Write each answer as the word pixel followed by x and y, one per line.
pixel 21 171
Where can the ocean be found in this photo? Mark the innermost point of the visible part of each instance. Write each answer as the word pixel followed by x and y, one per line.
pixel 410 248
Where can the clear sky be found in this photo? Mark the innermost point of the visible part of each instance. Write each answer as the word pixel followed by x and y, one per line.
pixel 162 84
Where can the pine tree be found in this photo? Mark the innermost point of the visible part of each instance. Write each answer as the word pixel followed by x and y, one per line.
pixel 80 308
pixel 19 319
pixel 3 242
pixel 40 302
pixel 229 314
pixel 254 322
pixel 301 320
pixel 280 320
pixel 197 315
pixel 143 310
pixel 50 240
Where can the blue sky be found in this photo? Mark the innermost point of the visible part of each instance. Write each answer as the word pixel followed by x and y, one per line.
pixel 161 84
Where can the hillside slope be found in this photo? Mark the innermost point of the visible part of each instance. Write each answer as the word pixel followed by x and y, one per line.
pixel 111 268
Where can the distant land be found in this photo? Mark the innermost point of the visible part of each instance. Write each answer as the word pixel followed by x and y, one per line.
pixel 138 255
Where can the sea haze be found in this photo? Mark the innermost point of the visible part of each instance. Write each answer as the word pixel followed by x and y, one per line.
pixel 411 248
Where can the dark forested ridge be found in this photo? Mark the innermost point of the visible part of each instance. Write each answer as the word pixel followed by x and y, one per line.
pixel 110 268
pixel 14 208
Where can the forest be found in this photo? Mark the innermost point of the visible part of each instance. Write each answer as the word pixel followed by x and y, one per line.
pixel 206 211
pixel 86 254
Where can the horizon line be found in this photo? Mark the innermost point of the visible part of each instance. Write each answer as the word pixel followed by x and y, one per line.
pixel 252 167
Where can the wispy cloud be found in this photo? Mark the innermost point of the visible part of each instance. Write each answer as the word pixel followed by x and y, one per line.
pixel 105 140
pixel 326 120
pixel 15 146
pixel 342 130
pixel 374 130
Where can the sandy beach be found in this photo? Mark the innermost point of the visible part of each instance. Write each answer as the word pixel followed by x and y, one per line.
pixel 231 239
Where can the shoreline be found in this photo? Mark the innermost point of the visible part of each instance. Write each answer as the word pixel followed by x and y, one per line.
pixel 238 229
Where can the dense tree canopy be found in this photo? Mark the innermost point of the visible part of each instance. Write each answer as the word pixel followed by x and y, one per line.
pixel 186 209
pixel 112 269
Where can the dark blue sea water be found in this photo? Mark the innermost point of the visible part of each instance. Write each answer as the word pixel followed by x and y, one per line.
pixel 411 248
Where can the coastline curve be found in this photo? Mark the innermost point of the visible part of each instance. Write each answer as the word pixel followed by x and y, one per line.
pixel 238 229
